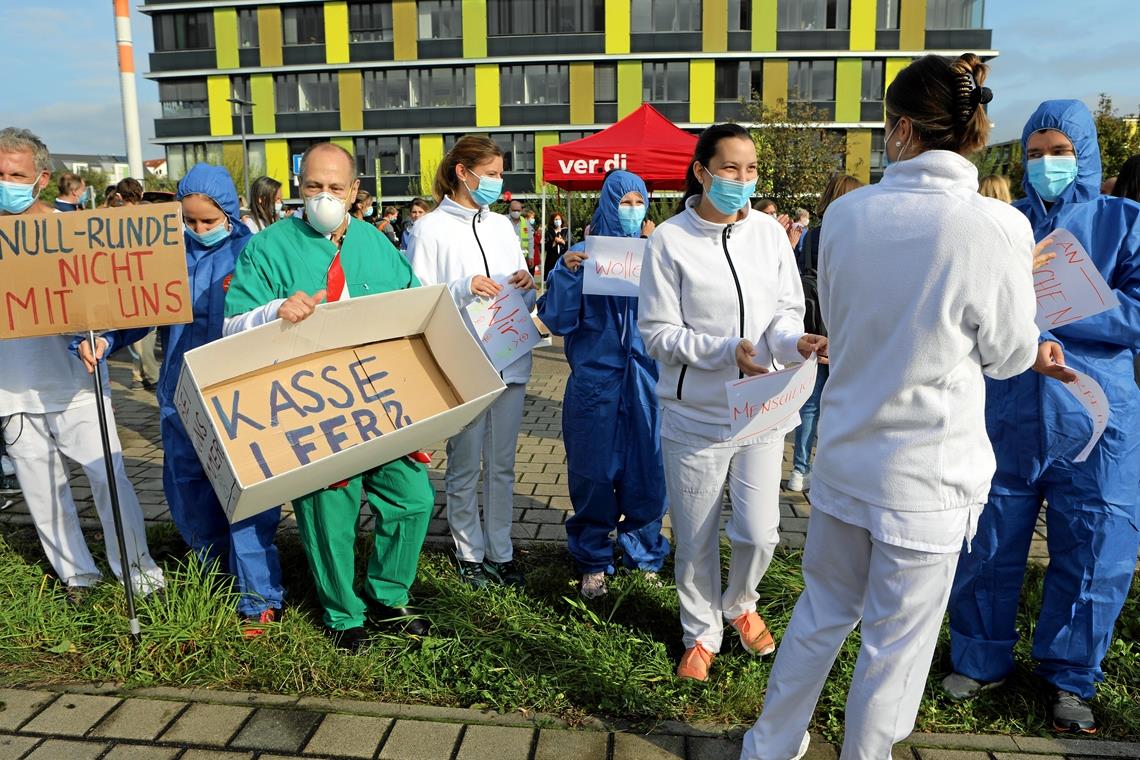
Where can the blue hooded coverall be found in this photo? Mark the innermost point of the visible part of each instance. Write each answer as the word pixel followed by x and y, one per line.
pixel 610 424
pixel 1036 428
pixel 245 548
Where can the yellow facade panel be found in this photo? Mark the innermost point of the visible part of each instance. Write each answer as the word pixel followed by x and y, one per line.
pixel 336 31
pixel 351 100
pixel 714 26
pixel 582 93
pixel 226 38
pixel 776 84
pixel 628 87
pixel 405 32
pixel 278 165
pixel 487 95
pixel 617 26
pixel 264 104
pixel 763 25
pixel 221 113
pixel 474 28
pixel 541 140
pixel 863 22
pixel 431 156
pixel 848 88
pixel 702 91
pixel 269 34
pixel 912 25
pixel 858 160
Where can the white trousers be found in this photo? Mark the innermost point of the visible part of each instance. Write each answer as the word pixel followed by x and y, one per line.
pixel 694 478
pixel 489 444
pixel 37 444
pixel 900 595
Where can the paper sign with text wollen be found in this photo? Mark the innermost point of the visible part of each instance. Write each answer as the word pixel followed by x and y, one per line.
pixel 503 326
pixel 613 267
pixel 93 270
pixel 1092 398
pixel 1069 288
pixel 762 403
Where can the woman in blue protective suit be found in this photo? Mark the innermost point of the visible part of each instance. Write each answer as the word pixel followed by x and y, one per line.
pixel 609 415
pixel 215 235
pixel 1038 428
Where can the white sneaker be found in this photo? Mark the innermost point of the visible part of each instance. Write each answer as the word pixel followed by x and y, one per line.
pixel 593 586
pixel 797 481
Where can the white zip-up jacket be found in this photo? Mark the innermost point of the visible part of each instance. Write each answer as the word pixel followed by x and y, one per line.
pixel 925 286
pixel 453 244
pixel 705 287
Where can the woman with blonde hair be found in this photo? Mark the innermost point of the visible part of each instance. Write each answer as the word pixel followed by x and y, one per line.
pixel 475 253
pixel 995 186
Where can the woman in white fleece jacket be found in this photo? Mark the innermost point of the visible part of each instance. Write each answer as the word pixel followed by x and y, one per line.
pixel 926 286
pixel 720 299
pixel 475 253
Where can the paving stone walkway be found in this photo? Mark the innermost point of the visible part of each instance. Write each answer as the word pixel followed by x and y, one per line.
pixel 92 723
pixel 542 501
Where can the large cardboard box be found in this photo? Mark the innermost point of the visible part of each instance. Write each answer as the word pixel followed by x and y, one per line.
pixel 285 409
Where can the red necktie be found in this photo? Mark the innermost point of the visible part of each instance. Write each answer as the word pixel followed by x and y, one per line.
pixel 335 280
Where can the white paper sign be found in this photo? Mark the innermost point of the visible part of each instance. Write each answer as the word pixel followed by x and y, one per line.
pixel 503 326
pixel 1069 288
pixel 1092 398
pixel 762 403
pixel 614 266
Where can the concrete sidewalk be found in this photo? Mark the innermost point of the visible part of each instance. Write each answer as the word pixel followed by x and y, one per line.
pixel 89 723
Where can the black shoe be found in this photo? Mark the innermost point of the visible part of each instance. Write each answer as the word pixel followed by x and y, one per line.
pixel 149 386
pixel 505 573
pixel 1072 715
pixel 407 619
pixel 350 639
pixel 472 573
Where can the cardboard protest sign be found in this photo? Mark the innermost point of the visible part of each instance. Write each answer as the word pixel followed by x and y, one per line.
pixel 92 270
pixel 613 267
pixel 762 403
pixel 1091 396
pixel 286 409
pixel 1069 288
pixel 504 326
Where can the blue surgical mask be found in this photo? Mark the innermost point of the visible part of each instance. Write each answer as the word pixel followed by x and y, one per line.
pixel 210 238
pixel 367 212
pixel 1050 175
pixel 630 218
pixel 729 195
pixel 487 191
pixel 16 197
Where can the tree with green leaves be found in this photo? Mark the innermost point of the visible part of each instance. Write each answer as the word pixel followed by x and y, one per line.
pixel 1118 140
pixel 797 155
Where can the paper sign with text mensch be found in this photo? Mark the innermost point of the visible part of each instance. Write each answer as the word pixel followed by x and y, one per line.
pixel 1069 288
pixel 763 403
pixel 1092 398
pixel 503 326
pixel 92 270
pixel 613 267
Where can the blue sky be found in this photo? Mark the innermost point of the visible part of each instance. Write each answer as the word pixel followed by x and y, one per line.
pixel 65 86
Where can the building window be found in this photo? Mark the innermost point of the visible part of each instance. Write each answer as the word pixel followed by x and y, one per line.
pixel 605 82
pixel 437 87
pixel 887 14
pixel 954 14
pixel 239 90
pixel 739 15
pixel 877 150
pixel 873 79
pixel 303 25
pixel 247 28
pixel 397 155
pixel 565 137
pixel 181 156
pixel 184 31
pixel 665 82
pixel 809 15
pixel 739 80
pixel 370 22
pixel 306 93
pixel 666 16
pixel 439 19
pixel 506 18
pixel 538 84
pixel 184 98
pixel 811 81
pixel 518 150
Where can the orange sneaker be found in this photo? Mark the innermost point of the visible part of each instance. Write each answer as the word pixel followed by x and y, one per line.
pixel 250 628
pixel 695 663
pixel 754 634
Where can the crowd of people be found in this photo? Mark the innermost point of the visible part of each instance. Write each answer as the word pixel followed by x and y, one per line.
pixel 943 420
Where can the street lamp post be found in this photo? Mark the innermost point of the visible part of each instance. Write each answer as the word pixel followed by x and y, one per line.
pixel 241 104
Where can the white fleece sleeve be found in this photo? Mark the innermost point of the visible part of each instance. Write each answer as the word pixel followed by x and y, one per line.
pixel 254 318
pixel 427 260
pixel 662 325
pixel 787 325
pixel 1007 334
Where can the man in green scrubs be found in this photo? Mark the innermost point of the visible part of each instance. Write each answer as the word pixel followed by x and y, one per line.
pixel 284 272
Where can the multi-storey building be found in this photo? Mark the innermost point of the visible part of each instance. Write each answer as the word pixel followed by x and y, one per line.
pixel 397 81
